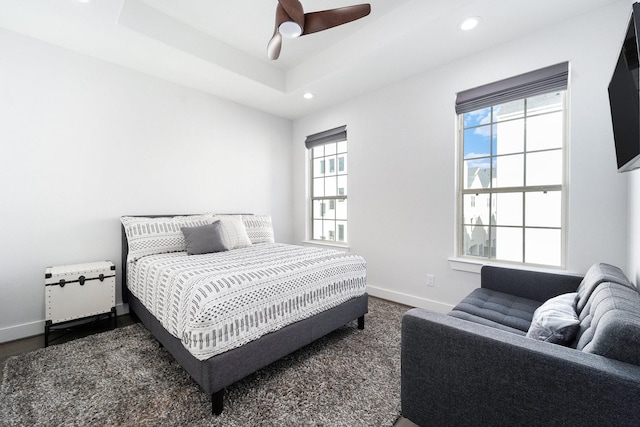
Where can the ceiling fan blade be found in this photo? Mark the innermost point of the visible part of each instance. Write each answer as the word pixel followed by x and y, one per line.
pixel 294 9
pixel 274 46
pixel 322 20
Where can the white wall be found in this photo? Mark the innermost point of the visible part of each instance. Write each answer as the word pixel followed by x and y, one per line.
pixel 84 142
pixel 634 227
pixel 402 142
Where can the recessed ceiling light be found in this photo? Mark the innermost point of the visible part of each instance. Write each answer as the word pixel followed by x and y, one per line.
pixel 83 1
pixel 470 23
pixel 308 95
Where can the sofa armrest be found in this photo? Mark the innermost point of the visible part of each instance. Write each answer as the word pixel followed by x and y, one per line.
pixel 535 285
pixel 456 372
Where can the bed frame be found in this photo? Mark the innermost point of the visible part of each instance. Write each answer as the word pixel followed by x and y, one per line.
pixel 222 370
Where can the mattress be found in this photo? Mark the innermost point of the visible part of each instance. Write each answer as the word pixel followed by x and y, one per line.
pixel 219 301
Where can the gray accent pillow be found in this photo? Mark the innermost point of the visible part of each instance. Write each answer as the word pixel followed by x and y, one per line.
pixel 204 239
pixel 556 320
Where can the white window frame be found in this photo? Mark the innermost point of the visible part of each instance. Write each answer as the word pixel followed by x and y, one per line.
pixel 337 137
pixel 461 258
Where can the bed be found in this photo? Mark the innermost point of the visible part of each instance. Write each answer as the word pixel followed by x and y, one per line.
pixel 192 299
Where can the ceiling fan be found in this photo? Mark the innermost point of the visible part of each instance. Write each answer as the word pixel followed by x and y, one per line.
pixel 291 21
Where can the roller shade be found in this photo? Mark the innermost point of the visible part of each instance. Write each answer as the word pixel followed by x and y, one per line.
pixel 536 82
pixel 328 136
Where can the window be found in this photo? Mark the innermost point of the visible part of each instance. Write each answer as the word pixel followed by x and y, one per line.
pixel 328 220
pixel 511 191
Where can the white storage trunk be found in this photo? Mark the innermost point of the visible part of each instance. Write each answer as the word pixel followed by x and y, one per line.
pixel 79 290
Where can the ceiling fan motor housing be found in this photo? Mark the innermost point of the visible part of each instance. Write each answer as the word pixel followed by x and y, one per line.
pixel 290 29
pixel 292 22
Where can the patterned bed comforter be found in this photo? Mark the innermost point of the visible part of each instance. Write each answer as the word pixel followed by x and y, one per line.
pixel 216 302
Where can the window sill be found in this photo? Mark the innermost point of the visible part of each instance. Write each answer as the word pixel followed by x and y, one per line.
pixel 467 265
pixel 471 265
pixel 324 243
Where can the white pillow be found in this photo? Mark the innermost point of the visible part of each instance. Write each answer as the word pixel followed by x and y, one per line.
pixel 556 320
pixel 259 228
pixel 234 233
pixel 149 236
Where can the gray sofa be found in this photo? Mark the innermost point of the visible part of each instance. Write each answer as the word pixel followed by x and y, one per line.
pixel 476 366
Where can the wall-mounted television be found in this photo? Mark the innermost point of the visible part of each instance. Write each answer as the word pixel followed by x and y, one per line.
pixel 624 98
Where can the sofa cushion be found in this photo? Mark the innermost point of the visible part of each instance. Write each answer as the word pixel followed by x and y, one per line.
pixel 610 323
pixel 597 274
pixel 556 320
pixel 497 309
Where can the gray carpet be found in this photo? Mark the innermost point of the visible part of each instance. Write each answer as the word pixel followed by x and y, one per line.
pixel 123 377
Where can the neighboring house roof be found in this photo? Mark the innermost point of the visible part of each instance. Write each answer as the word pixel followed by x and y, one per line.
pixel 479 178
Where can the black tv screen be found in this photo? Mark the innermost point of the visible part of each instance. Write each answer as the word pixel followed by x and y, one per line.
pixel 624 100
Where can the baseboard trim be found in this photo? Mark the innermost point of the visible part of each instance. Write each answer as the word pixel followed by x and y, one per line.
pixel 409 300
pixel 31 329
pixel 24 330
